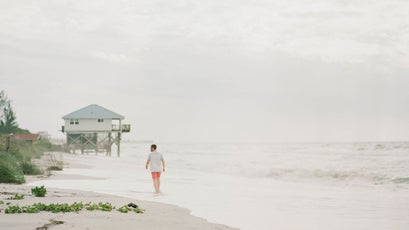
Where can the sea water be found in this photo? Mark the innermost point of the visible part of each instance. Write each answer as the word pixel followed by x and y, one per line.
pixel 263 186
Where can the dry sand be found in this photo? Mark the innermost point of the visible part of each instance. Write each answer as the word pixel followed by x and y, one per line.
pixel 157 215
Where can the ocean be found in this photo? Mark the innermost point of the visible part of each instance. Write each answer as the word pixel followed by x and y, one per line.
pixel 262 186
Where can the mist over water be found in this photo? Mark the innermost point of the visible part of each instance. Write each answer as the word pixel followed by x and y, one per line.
pixel 264 186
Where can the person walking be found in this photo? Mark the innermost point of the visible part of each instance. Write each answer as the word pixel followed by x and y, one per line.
pixel 154 161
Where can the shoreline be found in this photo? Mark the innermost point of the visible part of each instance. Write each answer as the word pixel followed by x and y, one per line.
pixel 157 215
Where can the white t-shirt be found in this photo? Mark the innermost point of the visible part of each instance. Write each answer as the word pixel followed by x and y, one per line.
pixel 156 161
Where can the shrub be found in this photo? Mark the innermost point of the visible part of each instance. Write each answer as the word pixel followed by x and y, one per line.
pixel 39 191
pixel 30 169
pixel 17 161
pixel 10 171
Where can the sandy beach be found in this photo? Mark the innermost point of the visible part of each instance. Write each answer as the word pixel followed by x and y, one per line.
pixel 304 186
pixel 156 215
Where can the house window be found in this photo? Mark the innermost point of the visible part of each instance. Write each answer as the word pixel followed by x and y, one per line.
pixel 74 121
pixel 100 120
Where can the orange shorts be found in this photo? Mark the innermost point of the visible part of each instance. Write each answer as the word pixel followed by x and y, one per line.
pixel 155 175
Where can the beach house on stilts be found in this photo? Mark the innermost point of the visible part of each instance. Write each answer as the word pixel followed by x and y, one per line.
pixel 94 129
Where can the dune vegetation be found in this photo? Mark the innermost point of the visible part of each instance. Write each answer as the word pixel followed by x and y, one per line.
pixel 16 155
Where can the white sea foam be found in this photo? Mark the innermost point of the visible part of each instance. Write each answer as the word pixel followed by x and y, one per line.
pixel 265 186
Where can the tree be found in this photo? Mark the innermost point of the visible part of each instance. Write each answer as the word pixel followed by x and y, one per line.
pixel 3 101
pixel 8 122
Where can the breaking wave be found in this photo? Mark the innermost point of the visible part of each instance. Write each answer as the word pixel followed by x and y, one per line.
pixel 330 175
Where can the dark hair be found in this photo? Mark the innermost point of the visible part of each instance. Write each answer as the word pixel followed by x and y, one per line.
pixel 153 146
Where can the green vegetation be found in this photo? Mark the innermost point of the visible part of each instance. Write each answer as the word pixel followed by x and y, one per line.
pixel 8 123
pixel 126 209
pixel 17 209
pixel 58 208
pixel 30 169
pixel 107 207
pixel 75 207
pixel 16 197
pixel 39 191
pixel 38 207
pixel 10 171
pixel 28 151
pixel 16 155
pixel 17 162
pixel 8 119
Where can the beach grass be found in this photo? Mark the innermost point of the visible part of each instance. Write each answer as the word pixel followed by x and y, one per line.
pixel 10 170
pixel 16 161
pixel 30 169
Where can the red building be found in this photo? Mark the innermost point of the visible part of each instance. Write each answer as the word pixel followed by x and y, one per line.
pixel 28 137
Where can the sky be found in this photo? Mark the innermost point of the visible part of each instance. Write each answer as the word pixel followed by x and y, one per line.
pixel 212 71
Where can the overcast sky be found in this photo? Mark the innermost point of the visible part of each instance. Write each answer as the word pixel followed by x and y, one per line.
pixel 214 70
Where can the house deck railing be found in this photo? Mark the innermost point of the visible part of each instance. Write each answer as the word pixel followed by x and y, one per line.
pixel 125 128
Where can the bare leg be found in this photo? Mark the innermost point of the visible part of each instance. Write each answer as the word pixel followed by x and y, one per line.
pixel 156 185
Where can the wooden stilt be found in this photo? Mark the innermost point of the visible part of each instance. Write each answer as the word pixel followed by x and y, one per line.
pixel 109 145
pixel 119 144
pixel 96 143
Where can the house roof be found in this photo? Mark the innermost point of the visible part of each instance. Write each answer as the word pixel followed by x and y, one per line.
pixel 27 137
pixel 93 112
